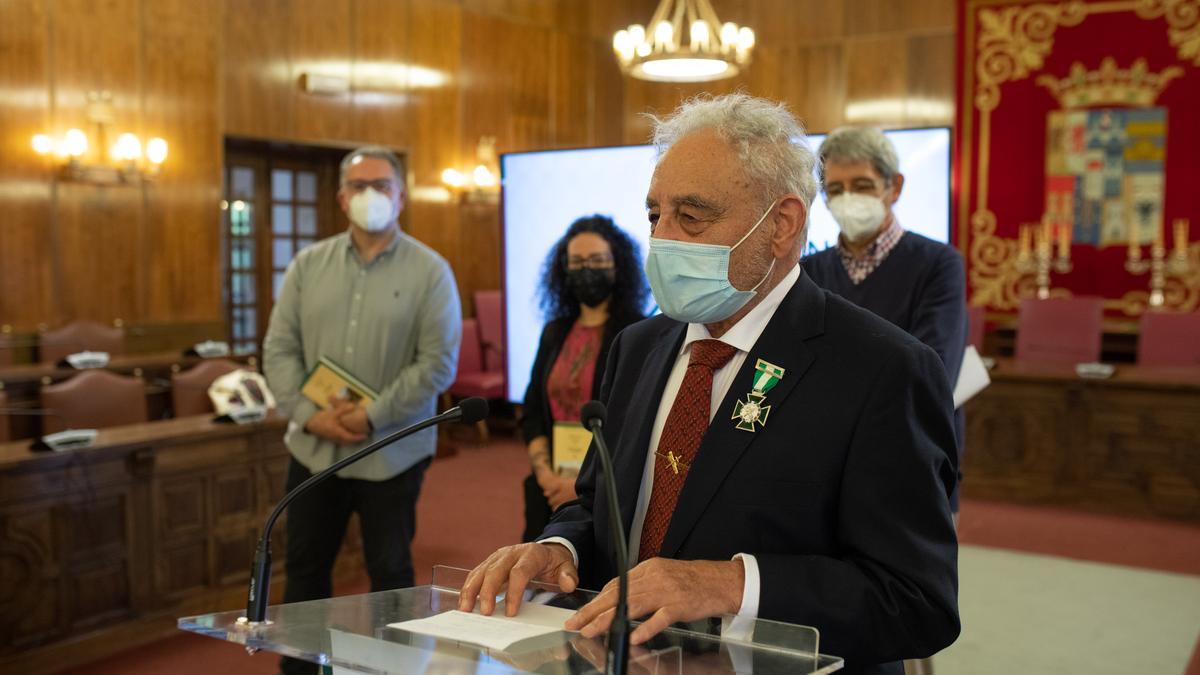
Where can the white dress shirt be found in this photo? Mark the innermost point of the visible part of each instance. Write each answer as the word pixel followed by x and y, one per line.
pixel 742 336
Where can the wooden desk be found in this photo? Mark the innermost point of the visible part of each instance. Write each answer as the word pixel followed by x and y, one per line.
pixel 103 547
pixel 1127 445
pixel 23 383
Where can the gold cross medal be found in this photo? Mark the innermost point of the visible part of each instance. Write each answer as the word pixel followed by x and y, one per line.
pixel 754 409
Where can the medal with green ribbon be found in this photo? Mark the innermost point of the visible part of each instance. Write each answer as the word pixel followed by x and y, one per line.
pixel 754 409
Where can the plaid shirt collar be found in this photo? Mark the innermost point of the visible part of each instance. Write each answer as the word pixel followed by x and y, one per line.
pixel 858 267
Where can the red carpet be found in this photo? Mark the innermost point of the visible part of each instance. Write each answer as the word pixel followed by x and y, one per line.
pixel 471 505
pixel 1152 544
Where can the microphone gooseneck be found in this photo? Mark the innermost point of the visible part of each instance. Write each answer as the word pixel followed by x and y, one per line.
pixel 593 415
pixel 470 410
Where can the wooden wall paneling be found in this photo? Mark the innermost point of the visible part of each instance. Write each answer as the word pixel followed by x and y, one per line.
pixel 820 98
pixel 382 72
pixel 572 91
pixel 320 43
pixel 871 17
pixel 26 230
pixel 97 46
pixel 506 74
pixel 876 81
pixel 257 78
pixel 930 88
pixel 792 23
pixel 573 18
pixel 478 266
pixel 608 17
pixel 184 260
pixel 608 96
pixel 536 12
pixel 436 124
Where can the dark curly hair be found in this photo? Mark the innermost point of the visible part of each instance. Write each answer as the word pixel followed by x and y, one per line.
pixel 630 292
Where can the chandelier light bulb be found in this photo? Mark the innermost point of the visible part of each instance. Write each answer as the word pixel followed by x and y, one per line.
pixel 621 41
pixel 643 49
pixel 128 148
pixel 664 33
pixel 43 144
pixel 637 34
pixel 483 176
pixel 729 34
pixel 699 35
pixel 75 143
pixel 156 150
pixel 745 39
pixel 454 178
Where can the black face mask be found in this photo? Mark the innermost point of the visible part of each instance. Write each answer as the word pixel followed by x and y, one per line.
pixel 591 287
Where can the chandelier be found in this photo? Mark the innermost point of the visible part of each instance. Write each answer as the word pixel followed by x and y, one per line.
pixel 686 43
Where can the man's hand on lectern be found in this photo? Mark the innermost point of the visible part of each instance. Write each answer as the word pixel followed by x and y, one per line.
pixel 665 591
pixel 511 569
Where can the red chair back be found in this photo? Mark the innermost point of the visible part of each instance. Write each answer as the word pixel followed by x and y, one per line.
pixel 489 307
pixel 1060 331
pixel 470 354
pixel 1169 339
pixel 94 399
pixel 189 389
pixel 79 336
pixel 975 327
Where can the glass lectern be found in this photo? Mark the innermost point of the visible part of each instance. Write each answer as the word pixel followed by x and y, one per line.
pixel 353 635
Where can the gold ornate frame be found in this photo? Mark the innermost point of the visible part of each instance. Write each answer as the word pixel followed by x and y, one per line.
pixel 1009 44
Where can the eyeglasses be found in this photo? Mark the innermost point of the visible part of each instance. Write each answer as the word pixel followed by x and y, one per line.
pixel 384 185
pixel 598 261
pixel 858 186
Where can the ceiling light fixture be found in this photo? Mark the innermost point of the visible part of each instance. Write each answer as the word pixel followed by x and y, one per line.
pixel 686 42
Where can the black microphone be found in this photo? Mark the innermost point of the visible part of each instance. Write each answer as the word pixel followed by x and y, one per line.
pixel 469 411
pixel 592 416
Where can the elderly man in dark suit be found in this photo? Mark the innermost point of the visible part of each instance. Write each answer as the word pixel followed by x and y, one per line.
pixel 779 453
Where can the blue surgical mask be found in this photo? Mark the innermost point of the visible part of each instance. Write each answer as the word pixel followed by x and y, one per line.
pixel 690 281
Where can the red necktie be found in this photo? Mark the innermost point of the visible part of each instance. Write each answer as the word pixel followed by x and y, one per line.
pixel 680 439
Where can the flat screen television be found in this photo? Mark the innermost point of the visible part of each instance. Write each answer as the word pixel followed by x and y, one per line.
pixel 545 191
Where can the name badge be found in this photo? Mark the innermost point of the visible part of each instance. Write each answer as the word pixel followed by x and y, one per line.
pixel 571 443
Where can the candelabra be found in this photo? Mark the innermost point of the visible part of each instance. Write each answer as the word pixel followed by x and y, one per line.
pixel 1159 265
pixel 1035 254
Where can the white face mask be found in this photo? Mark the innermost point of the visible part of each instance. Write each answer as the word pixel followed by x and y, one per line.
pixel 371 210
pixel 859 216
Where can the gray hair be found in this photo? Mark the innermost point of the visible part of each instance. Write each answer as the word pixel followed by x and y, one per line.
pixel 374 152
pixel 769 140
pixel 849 145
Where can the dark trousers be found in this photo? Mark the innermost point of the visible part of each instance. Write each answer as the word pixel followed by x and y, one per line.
pixel 537 509
pixel 316 525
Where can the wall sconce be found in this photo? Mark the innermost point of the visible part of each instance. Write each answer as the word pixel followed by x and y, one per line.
pixel 126 161
pixel 481 185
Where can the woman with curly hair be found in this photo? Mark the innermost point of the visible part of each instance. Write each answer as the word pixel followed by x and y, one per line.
pixel 592 287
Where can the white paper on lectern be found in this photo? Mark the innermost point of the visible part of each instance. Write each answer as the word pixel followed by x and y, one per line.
pixel 497 632
pixel 972 377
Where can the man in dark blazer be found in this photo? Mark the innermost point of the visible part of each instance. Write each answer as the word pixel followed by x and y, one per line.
pixel 779 453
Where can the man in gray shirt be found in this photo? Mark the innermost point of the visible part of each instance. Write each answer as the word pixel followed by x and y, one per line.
pixel 384 307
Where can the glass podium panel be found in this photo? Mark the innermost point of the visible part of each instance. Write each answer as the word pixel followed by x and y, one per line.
pixel 353 635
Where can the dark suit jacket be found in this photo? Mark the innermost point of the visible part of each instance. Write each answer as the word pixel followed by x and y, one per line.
pixel 842 496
